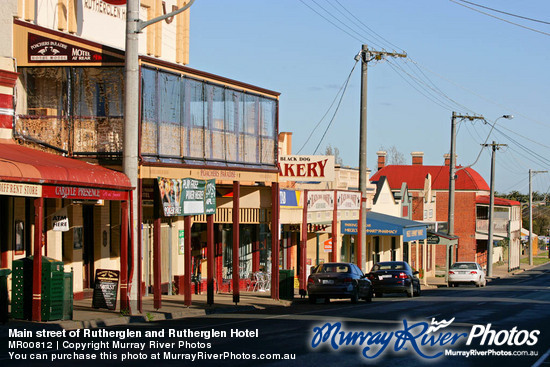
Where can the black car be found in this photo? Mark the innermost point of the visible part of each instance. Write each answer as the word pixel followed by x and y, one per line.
pixel 394 277
pixel 338 280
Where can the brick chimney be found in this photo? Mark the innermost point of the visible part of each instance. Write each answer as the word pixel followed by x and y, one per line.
pixel 381 159
pixel 448 159
pixel 417 158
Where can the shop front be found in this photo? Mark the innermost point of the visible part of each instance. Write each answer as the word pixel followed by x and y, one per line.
pixel 64 209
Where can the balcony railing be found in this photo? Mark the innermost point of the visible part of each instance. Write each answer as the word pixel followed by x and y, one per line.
pixel 500 226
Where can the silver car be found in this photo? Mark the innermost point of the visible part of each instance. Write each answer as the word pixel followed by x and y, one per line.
pixel 466 273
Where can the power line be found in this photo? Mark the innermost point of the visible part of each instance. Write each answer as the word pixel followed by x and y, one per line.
pixel 504 20
pixel 328 110
pixel 503 12
pixel 337 107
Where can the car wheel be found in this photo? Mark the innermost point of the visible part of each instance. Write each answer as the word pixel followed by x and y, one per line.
pixel 354 297
pixel 484 283
pixel 417 294
pixel 410 291
pixel 312 299
pixel 368 298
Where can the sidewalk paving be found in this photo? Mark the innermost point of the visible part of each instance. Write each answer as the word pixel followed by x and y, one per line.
pixel 172 307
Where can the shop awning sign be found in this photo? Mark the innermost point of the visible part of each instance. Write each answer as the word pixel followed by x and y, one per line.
pixel 187 196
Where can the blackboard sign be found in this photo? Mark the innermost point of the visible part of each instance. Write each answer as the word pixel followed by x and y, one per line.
pixel 105 290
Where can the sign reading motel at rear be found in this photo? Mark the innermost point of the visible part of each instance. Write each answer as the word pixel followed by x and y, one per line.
pixel 306 168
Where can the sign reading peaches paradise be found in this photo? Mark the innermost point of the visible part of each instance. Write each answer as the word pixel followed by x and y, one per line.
pixel 306 168
pixel 187 196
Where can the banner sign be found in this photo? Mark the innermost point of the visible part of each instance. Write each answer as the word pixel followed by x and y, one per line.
pixel 306 168
pixel 346 200
pixel 320 201
pixel 187 196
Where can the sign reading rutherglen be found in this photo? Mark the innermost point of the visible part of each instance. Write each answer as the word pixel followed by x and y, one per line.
pixel 306 168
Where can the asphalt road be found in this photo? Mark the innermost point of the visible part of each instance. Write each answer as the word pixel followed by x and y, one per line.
pixel 516 308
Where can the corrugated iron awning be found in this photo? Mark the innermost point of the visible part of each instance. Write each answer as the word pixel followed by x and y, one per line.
pixel 22 164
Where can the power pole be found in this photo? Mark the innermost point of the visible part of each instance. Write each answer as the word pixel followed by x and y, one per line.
pixel 531 172
pixel 495 147
pixel 366 56
pixel 130 155
pixel 452 177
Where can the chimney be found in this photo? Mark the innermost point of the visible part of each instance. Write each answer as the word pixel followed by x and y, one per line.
pixel 417 158
pixel 381 159
pixel 448 159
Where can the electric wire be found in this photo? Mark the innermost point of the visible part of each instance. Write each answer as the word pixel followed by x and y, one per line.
pixel 503 12
pixel 504 20
pixel 367 27
pixel 337 107
pixel 330 107
pixel 540 158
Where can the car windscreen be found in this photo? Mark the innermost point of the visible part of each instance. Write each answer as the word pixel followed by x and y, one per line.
pixel 388 267
pixel 464 266
pixel 336 268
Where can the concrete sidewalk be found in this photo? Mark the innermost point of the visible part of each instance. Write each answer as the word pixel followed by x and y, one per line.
pixel 173 307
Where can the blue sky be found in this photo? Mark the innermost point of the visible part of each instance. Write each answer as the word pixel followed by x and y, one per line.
pixel 458 60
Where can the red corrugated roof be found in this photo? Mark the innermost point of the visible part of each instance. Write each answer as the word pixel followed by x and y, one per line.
pixel 485 199
pixel 414 175
pixel 23 164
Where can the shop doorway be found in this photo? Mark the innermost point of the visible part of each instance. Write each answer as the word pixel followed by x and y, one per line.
pixel 87 246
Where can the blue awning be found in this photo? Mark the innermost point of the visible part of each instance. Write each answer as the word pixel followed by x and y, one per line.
pixel 386 225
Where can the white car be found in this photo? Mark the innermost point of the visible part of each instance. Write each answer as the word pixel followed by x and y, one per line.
pixel 466 273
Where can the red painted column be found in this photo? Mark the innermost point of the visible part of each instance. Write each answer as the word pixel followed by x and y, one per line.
pixel 210 255
pixel 236 240
pixel 303 250
pixel 187 260
pixel 275 240
pixel 37 261
pixel 157 285
pixel 334 253
pixel 219 262
pixel 139 244
pixel 124 304
pixel 8 79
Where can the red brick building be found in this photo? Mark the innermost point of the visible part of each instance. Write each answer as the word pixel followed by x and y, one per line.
pixel 429 188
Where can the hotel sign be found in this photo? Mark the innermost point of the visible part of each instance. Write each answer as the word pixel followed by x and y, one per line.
pixel 306 168
pixel 46 50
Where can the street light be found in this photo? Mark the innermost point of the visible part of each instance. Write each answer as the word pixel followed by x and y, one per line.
pixel 492 197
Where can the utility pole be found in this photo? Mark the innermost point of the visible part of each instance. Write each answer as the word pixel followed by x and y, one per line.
pixel 452 177
pixel 366 56
pixel 130 156
pixel 495 147
pixel 531 172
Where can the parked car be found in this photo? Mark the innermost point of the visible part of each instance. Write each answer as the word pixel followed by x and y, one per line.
pixel 338 280
pixel 465 272
pixel 394 277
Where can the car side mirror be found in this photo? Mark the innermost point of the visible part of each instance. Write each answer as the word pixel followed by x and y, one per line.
pixel 416 273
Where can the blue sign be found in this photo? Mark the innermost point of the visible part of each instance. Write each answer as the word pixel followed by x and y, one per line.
pixel 289 198
pixel 349 226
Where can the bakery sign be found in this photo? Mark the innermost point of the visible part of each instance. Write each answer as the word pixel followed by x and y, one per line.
pixel 316 168
pixel 46 50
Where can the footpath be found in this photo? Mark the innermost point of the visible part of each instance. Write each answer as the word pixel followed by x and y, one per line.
pixel 173 307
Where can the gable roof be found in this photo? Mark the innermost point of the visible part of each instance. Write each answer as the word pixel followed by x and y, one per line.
pixel 414 175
